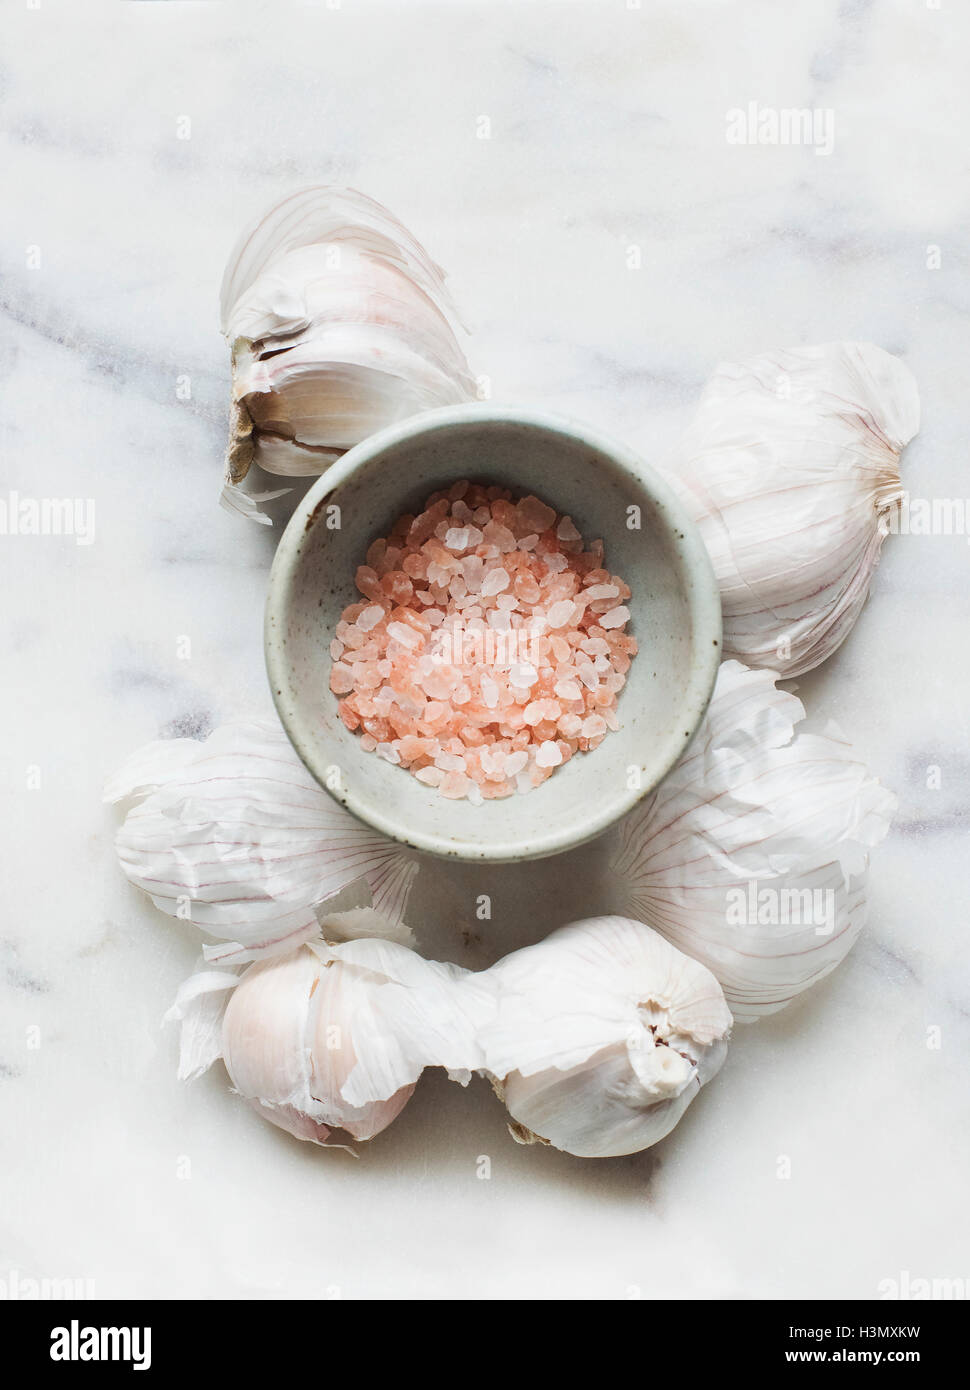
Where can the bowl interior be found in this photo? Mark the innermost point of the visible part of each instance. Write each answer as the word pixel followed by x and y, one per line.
pixel 675 617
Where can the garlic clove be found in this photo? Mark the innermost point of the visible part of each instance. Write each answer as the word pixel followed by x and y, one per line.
pixel 601 1035
pixel 235 835
pixel 328 1041
pixel 594 1110
pixel 790 468
pixel 328 216
pixel 324 397
pixel 308 295
pixel 265 1043
pixel 282 1032
pixel 339 324
pixel 752 855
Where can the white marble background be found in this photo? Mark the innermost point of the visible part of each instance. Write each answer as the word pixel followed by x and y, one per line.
pixel 607 129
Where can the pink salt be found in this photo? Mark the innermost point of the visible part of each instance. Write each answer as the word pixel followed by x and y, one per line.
pixel 548 755
pixel 494 582
pixel 454 785
pixel 370 617
pixel 402 632
pixel 341 679
pixel 474 568
pixel 616 617
pixel 560 613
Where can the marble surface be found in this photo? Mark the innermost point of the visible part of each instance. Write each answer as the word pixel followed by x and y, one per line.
pixel 607 131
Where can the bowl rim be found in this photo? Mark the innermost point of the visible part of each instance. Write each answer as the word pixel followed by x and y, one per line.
pixel 703 600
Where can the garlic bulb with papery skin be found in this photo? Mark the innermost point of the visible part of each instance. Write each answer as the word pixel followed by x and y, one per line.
pixel 752 854
pixel 602 1036
pixel 790 469
pixel 328 1041
pixel 338 322
pixel 235 835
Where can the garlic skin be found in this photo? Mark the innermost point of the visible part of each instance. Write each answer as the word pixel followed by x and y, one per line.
pixel 602 1036
pixel 339 324
pixel 752 855
pixel 790 468
pixel 328 1041
pixel 235 835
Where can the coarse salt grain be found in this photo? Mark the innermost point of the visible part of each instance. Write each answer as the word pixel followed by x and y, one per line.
pixel 523 675
pixel 568 689
pixel 533 713
pixel 494 582
pixel 560 613
pixel 535 514
pixel 454 785
pixel 450 762
pixel 341 679
pixel 430 776
pixel 500 536
pixel 462 538
pixel 548 754
pixel 616 617
pixel 370 617
pixel 401 632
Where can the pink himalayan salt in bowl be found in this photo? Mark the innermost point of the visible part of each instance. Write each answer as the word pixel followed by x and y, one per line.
pixel 487 647
pixel 675 618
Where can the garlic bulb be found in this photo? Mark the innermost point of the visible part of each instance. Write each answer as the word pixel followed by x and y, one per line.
pixel 328 1041
pixel 790 468
pixel 752 854
pixel 235 835
pixel 602 1036
pixel 338 324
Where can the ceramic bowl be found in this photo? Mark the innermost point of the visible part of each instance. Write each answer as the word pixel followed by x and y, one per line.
pixel 610 493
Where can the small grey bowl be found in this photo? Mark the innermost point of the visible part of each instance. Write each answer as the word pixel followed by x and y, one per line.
pixel 675 616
